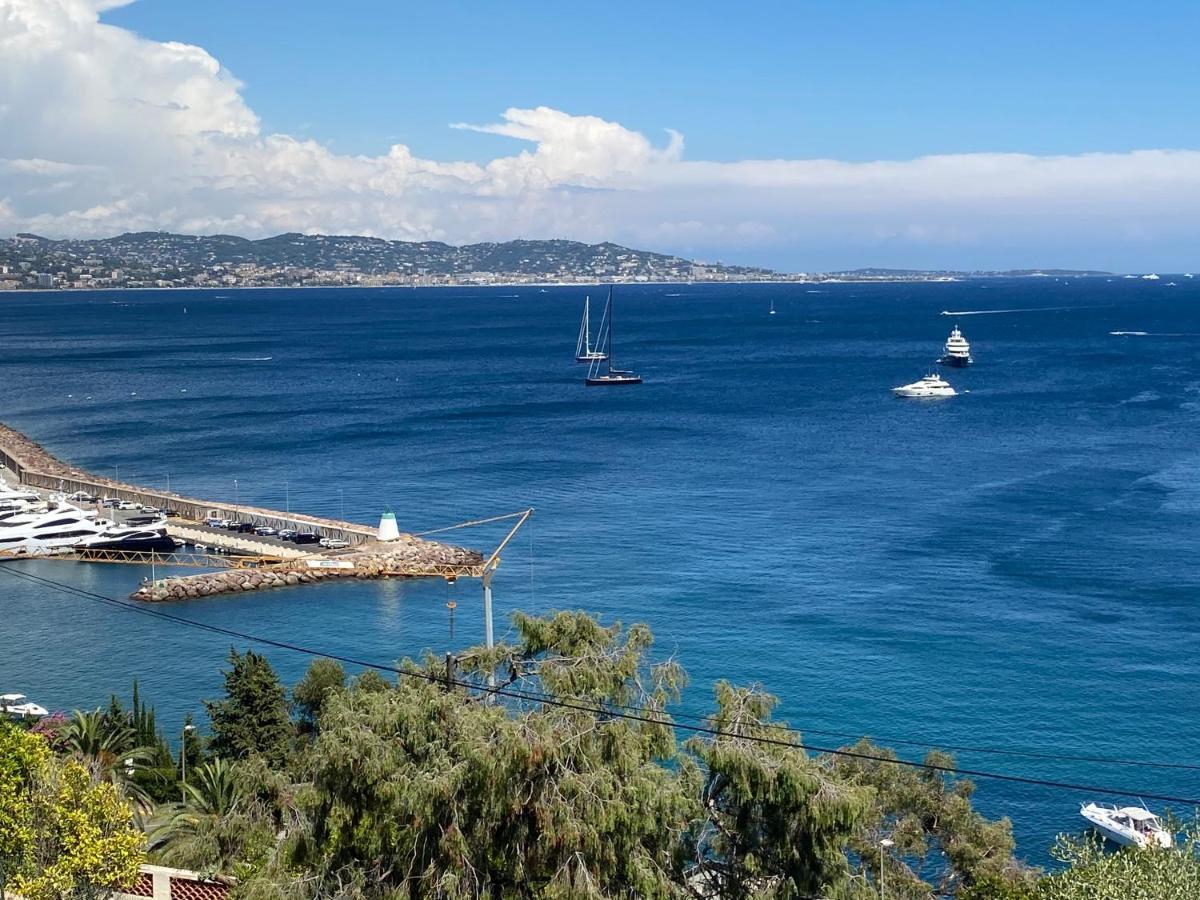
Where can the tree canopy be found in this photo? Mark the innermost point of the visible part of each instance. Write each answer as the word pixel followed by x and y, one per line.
pixel 252 718
pixel 63 834
pixel 570 781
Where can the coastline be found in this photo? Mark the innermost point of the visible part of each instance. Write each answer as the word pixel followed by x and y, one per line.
pixel 532 284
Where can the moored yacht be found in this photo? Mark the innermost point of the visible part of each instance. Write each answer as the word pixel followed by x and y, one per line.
pixel 16 498
pixel 1127 825
pixel 610 377
pixel 929 386
pixel 62 526
pixel 18 706
pixel 584 351
pixel 957 351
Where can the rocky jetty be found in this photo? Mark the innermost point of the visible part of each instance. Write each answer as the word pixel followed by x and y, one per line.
pixel 406 557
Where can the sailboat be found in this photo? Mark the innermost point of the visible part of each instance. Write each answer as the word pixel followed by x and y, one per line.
pixel 772 310
pixel 609 376
pixel 584 351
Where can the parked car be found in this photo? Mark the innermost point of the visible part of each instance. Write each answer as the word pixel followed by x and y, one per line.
pixel 334 544
pixel 151 509
pixel 126 504
pixel 245 528
pixel 213 522
pixel 286 534
pixel 265 531
pixel 110 502
pixel 172 514
pixel 306 537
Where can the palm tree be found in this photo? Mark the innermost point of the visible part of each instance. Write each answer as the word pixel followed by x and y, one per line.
pixel 109 748
pixel 215 789
pixel 201 832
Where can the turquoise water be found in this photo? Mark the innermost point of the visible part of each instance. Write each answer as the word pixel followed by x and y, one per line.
pixel 1014 568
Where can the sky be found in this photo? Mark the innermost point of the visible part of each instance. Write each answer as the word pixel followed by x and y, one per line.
pixel 801 136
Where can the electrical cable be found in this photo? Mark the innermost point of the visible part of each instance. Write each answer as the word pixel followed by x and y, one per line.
pixel 619 713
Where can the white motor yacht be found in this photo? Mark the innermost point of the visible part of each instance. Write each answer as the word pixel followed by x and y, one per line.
pixel 18 706
pixel 17 498
pixel 930 386
pixel 1127 825
pixel 957 351
pixel 62 526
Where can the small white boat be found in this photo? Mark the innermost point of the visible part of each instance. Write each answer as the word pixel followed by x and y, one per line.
pixel 771 311
pixel 929 386
pixel 18 706
pixel 1127 825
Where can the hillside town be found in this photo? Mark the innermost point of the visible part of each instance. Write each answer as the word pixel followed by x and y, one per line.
pixel 163 260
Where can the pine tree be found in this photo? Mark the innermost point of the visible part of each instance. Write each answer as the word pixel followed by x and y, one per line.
pixel 252 718
pixel 310 693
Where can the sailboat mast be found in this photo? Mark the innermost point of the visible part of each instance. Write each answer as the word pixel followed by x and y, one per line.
pixel 610 324
pixel 584 341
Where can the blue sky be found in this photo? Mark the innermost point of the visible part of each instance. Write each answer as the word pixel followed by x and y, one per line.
pixel 849 80
pixel 801 136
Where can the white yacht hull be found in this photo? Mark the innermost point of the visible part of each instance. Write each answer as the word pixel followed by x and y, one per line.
pixel 63 528
pixel 1122 832
pixel 919 394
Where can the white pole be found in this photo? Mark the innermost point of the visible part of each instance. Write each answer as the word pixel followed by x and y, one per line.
pixel 183 759
pixel 885 843
pixel 487 620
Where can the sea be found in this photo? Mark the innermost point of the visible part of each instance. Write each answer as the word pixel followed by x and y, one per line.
pixel 1013 572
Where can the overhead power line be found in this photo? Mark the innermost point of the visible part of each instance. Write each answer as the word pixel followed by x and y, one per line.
pixel 636 714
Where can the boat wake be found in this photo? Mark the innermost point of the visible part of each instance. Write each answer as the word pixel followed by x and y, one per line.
pixel 1154 333
pixel 251 358
pixel 998 312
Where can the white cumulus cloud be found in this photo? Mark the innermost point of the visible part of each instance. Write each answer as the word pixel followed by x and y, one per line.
pixel 103 131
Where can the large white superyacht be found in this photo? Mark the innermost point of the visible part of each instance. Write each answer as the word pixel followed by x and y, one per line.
pixel 30 525
pixel 957 351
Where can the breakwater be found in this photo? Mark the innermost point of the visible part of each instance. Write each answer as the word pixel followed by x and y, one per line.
pixel 36 467
pixel 406 556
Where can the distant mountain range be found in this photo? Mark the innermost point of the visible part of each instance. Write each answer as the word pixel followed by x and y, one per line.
pixel 162 259
pixel 300 258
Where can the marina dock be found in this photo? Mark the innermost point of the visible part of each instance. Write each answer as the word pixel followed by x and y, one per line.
pixel 33 466
pixel 247 561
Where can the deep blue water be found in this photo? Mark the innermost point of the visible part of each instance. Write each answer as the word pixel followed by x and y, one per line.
pixel 1013 568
